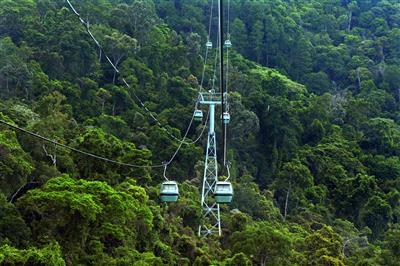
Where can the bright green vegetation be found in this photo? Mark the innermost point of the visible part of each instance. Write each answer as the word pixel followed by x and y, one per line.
pixel 314 138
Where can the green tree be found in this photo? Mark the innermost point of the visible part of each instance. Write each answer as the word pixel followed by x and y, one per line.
pixel 265 243
pixel 93 214
pixel 117 46
pixel 323 247
pixel 391 250
pixel 101 144
pixel 294 178
pixel 12 227
pixel 14 71
pixel 47 255
pixel 376 214
pixel 249 199
pixel 15 165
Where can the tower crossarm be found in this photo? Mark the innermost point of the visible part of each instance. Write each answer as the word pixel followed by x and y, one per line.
pixel 208 98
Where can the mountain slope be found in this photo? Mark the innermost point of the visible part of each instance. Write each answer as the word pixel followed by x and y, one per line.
pixel 313 139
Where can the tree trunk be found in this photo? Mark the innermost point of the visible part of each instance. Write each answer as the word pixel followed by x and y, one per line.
pixel 287 201
pixel 350 19
pixel 26 93
pixel 382 53
pixel 7 87
pixel 266 46
pixel 275 156
pixel 264 261
pixel 344 247
pixel 53 157
pixel 115 75
pixel 116 63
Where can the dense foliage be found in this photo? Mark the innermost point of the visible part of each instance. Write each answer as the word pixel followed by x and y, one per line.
pixel 313 141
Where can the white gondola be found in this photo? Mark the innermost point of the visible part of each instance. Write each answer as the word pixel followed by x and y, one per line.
pixel 226 117
pixel 169 191
pixel 198 115
pixel 209 44
pixel 223 192
pixel 228 44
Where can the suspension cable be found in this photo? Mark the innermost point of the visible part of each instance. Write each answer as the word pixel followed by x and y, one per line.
pixel 203 129
pixel 203 74
pixel 229 18
pixel 227 87
pixel 165 172
pixel 210 20
pixel 207 48
pixel 86 25
pixel 14 127
pixel 228 169
pixel 181 141
pixel 227 55
pixel 221 78
pixel 215 64
pixel 88 154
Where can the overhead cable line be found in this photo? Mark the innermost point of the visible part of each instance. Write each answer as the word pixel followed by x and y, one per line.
pixel 207 47
pixel 221 73
pixel 204 70
pixel 214 71
pixel 95 156
pixel 86 25
pixel 226 87
pixel 215 65
pixel 202 130
pixel 76 150
pixel 227 46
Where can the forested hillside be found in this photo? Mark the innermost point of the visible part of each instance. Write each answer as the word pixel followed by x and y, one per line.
pixel 314 138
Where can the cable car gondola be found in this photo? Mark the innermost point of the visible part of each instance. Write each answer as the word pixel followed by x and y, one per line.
pixel 169 191
pixel 198 115
pixel 223 192
pixel 209 44
pixel 226 118
pixel 228 44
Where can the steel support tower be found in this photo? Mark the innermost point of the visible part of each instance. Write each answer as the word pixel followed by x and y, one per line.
pixel 211 222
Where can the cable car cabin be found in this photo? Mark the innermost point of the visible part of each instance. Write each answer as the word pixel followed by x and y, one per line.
pixel 169 191
pixel 209 45
pixel 226 118
pixel 223 192
pixel 228 44
pixel 198 115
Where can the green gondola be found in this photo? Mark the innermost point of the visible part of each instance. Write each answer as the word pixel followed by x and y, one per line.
pixel 226 117
pixel 198 115
pixel 223 192
pixel 169 191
